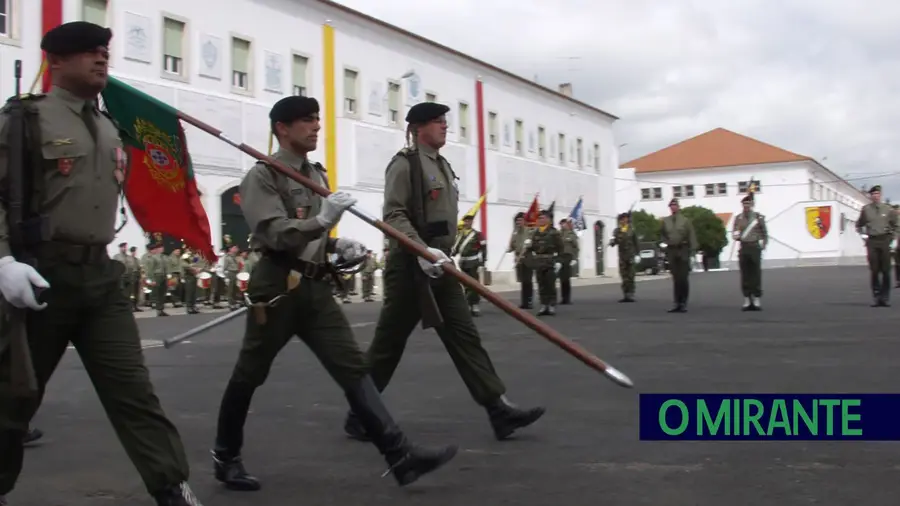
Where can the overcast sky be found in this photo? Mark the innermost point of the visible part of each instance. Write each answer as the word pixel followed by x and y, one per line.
pixel 817 77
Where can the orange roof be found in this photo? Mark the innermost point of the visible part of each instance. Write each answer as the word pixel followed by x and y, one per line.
pixel 716 148
pixel 725 217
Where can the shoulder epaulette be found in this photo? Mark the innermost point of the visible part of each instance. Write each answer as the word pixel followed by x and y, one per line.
pixel 320 167
pixel 27 99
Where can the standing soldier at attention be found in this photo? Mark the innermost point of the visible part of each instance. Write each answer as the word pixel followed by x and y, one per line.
pixel 421 200
pixel 472 250
pixel 567 259
pixel 128 275
pixel 627 241
pixel 877 225
pixel 524 274
pixel 66 233
pixel 231 268
pixel 680 242
pixel 750 231
pixel 192 265
pixel 545 245
pixel 155 269
pixel 368 276
pixel 290 225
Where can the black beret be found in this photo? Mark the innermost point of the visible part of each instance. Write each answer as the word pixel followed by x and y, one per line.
pixel 520 214
pixel 673 202
pixel 424 112
pixel 748 198
pixel 876 188
pixel 133 248
pixel 123 244
pixel 290 109
pixel 546 212
pixel 623 216
pixel 75 37
pixel 469 217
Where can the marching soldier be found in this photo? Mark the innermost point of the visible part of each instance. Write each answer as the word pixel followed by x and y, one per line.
pixel 627 241
pixel 192 265
pixel 524 274
pixel 678 238
pixel 545 245
pixel 421 200
pixel 472 250
pixel 155 269
pixel 751 232
pixel 368 276
pixel 877 225
pixel 176 271
pixel 231 268
pixel 290 225
pixel 80 196
pixel 568 258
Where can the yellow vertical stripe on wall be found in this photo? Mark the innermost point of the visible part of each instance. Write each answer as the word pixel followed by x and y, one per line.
pixel 330 97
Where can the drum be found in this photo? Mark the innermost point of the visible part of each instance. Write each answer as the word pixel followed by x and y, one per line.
pixel 204 280
pixel 243 280
pixel 171 281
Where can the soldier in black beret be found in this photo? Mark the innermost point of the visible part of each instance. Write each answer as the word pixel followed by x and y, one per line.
pixel 78 55
pixel 295 108
pixel 545 245
pixel 678 238
pixel 878 226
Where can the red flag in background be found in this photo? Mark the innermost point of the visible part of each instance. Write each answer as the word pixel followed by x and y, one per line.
pixel 531 215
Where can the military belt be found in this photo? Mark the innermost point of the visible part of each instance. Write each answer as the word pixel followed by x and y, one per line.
pixel 471 257
pixel 73 253
pixel 309 270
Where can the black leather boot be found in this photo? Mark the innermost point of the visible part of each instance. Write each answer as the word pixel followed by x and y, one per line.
pixel 506 418
pixel 32 435
pixel 177 495
pixel 227 463
pixel 406 461
pixel 354 428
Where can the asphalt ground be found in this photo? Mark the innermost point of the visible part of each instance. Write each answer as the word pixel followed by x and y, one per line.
pixel 816 334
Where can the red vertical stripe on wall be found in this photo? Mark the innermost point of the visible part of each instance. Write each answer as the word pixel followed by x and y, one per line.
pixel 482 155
pixel 51 17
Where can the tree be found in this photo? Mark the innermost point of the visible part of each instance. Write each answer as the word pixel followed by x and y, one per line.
pixel 712 237
pixel 646 226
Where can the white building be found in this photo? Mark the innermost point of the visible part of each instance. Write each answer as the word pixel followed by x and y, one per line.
pixel 226 61
pixel 810 210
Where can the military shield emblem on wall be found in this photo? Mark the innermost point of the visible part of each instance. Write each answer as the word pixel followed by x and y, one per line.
pixel 818 221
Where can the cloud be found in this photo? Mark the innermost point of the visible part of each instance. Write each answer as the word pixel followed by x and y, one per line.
pixel 817 77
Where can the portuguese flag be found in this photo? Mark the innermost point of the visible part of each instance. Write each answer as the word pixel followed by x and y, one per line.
pixel 159 182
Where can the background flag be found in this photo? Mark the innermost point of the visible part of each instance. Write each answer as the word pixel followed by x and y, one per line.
pixel 474 211
pixel 160 186
pixel 577 216
pixel 531 215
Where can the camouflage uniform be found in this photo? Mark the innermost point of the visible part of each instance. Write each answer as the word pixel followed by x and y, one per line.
pixel 625 238
pixel 545 245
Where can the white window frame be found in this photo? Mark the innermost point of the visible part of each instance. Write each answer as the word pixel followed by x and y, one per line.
pixel 250 76
pixel 356 105
pixel 184 75
pixel 463 115
pixel 13 37
pixel 519 142
pixel 542 142
pixel 394 118
pixel 493 121
pixel 294 53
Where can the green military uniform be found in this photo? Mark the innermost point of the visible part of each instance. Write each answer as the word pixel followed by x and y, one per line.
pixel 136 275
pixel 289 224
pixel 626 239
pixel 680 241
pixel 545 245
pixel 192 264
pixel 750 231
pixel 368 276
pixel 524 274
pixel 471 247
pixel 250 262
pixel 878 225
pixel 175 270
pixel 567 259
pixel 80 155
pixel 156 266
pixel 128 275
pixel 421 200
pixel 232 268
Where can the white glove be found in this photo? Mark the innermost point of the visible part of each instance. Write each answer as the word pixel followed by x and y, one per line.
pixel 865 237
pixel 527 243
pixel 333 207
pixel 434 270
pixel 663 245
pixel 349 250
pixel 735 235
pixel 17 283
pixel 637 259
pixel 573 262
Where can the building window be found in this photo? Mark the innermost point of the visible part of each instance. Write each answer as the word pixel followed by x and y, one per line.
pixel 716 189
pixel 520 133
pixel 542 142
pixel 562 148
pixel 430 97
pixel 651 193
pixel 597 158
pixel 686 191
pixel 743 186
pixel 240 64
pixel 6 18
pixel 492 129
pixel 463 120
pixel 173 47
pixel 299 75
pixel 579 152
pixel 92 11
pixel 393 103
pixel 350 80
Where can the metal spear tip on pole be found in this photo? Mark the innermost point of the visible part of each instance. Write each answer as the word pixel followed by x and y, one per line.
pixel 618 377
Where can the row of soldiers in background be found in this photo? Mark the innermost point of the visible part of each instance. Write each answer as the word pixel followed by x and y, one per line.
pixel 547 253
pixel 185 277
pixel 347 287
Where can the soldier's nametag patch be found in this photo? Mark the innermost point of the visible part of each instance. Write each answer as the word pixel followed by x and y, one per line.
pixel 64 165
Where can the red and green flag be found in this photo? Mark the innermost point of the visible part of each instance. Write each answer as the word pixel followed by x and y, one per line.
pixel 160 186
